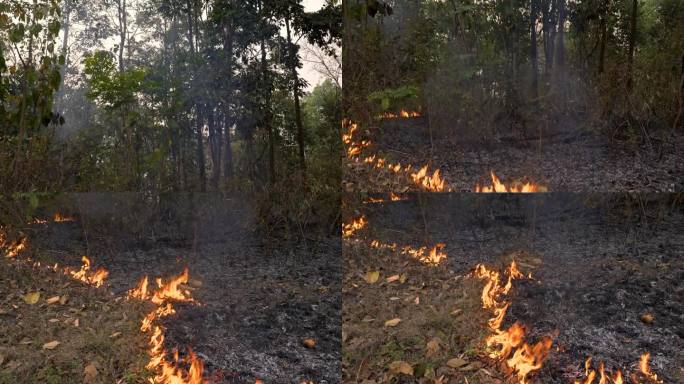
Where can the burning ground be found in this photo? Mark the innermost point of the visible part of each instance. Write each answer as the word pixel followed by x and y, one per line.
pixel 566 159
pixel 249 307
pixel 600 276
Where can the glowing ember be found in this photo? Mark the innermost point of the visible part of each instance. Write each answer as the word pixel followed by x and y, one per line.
pixel 96 278
pixel 402 114
pixel 349 229
pixel 431 183
pixel 518 187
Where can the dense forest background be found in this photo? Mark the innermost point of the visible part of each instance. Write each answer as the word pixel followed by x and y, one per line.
pixel 170 95
pixel 483 68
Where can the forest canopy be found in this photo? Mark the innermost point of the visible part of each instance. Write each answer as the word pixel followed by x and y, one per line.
pixel 167 95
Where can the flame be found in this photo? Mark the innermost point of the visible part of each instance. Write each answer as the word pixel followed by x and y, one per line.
pixel 526 358
pixel 604 377
pixel 16 248
pixel 431 183
pixel 96 278
pixel 58 218
pixel 402 114
pixel 499 187
pixel 357 224
pixel 168 371
pixel 432 257
pixel 646 369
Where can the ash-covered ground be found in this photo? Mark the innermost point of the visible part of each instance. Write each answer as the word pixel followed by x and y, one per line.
pixel 259 297
pixel 566 159
pixel 599 262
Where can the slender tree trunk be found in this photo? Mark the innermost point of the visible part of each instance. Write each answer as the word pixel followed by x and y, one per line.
pixel 602 49
pixel 560 50
pixel 215 147
pixel 632 43
pixel 200 148
pixel 298 110
pixel 123 31
pixel 66 27
pixel 533 47
pixel 267 114
pixel 229 31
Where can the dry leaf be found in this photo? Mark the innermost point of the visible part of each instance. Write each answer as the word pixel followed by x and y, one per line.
pixel 392 278
pixel 647 318
pixel 432 347
pixel 63 300
pixel 456 362
pixel 417 300
pixel 53 320
pixel 53 300
pixel 115 334
pixel 89 373
pixel 32 297
pixel 51 345
pixel 76 323
pixel 401 367
pixel 393 322
pixel 371 277
pixel 474 366
pixel 309 343
pixel 402 278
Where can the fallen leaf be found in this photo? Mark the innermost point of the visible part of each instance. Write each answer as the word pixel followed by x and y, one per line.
pixel 89 373
pixel 309 343
pixel 432 347
pixel 53 320
pixel 417 300
pixel 456 362
pixel 371 277
pixel 474 366
pixel 401 367
pixel 53 300
pixel 393 322
pixel 76 323
pixel 113 335
pixel 402 278
pixel 51 345
pixel 392 278
pixel 32 297
pixel 647 318
pixel 63 300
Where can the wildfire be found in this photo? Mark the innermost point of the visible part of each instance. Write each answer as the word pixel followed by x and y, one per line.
pixel 96 278
pixel 16 248
pixel 432 183
pixel 402 114
pixel 517 187
pixel 357 224
pixel 645 369
pixel 526 358
pixel 168 371
pixel 432 257
pixel 58 218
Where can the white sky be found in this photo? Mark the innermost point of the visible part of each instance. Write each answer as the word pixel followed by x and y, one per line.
pixel 308 72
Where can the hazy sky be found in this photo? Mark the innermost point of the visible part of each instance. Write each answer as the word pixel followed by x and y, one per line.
pixel 308 72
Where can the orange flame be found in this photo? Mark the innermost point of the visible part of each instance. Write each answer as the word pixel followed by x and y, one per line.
pixel 646 369
pixel 357 224
pixel 499 187
pixel 432 257
pixel 58 218
pixel 604 378
pixel 526 358
pixel 16 248
pixel 431 183
pixel 96 278
pixel 402 114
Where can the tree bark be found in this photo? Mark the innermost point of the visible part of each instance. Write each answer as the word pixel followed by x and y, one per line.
pixel 298 110
pixel 632 43
pixel 604 38
pixel 200 148
pixel 533 47
pixel 560 45
pixel 229 31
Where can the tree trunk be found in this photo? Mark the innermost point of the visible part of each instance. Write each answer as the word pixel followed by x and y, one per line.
pixel 200 149
pixel 560 50
pixel 298 111
pixel 66 27
pixel 632 43
pixel 266 117
pixel 548 23
pixel 533 47
pixel 602 49
pixel 123 31
pixel 215 147
pixel 228 51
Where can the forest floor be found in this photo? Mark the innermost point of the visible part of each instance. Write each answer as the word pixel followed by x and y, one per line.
pixel 256 300
pixel 566 159
pixel 597 269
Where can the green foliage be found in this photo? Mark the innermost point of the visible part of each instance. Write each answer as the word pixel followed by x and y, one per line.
pixel 110 88
pixel 395 98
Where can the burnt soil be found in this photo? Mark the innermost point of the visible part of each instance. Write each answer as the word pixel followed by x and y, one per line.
pixel 259 297
pixel 599 262
pixel 567 159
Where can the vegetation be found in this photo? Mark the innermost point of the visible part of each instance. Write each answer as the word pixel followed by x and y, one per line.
pixel 167 96
pixel 485 67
